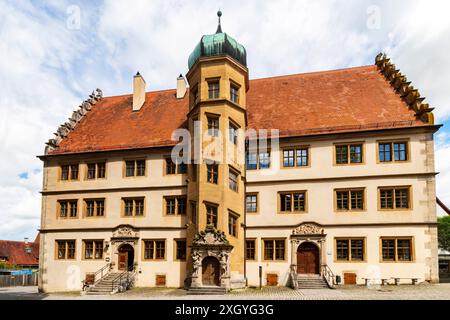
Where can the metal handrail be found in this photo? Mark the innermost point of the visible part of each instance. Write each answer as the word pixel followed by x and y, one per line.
pixel 122 276
pixel 328 275
pixel 100 271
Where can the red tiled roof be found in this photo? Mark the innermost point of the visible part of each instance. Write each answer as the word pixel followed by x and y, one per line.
pixel 15 252
pixel 344 100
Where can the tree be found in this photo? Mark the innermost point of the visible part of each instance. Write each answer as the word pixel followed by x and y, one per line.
pixel 444 233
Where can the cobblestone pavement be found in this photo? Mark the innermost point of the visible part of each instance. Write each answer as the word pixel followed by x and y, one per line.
pixel 419 292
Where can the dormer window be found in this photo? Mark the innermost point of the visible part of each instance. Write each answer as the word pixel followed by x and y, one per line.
pixel 234 93
pixel 213 90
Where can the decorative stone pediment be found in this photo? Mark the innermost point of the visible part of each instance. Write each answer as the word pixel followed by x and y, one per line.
pixel 211 237
pixel 308 229
pixel 125 232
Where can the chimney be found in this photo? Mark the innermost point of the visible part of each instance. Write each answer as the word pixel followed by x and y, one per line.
pixel 181 87
pixel 138 92
pixel 25 240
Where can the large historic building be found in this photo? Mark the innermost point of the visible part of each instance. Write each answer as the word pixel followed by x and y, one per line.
pixel 345 189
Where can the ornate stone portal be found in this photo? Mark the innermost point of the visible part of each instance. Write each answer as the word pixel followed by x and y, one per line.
pixel 211 243
pixel 307 232
pixel 123 234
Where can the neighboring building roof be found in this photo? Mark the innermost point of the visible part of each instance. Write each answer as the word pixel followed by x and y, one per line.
pixel 16 254
pixel 346 100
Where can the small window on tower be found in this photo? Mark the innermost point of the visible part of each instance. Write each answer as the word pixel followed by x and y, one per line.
pixel 213 90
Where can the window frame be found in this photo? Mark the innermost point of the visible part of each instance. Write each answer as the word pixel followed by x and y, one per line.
pixel 237 174
pixel 66 249
pixel 236 93
pixel 214 174
pixel 134 199
pixel 257 159
pixel 274 240
pixel 177 200
pixel 176 247
pixel 349 145
pixel 69 203
pixel 213 206
pixel 94 249
pixel 69 172
pixel 394 206
pixel 176 167
pixel 135 169
pixel 295 149
pixel 392 142
pixel 95 200
pixel 349 192
pixel 349 243
pixel 213 92
pixel 233 224
pixel 251 194
pixel 154 249
pixel 396 260
pixel 255 248
pixel 292 211
pixel 212 131
pixel 96 165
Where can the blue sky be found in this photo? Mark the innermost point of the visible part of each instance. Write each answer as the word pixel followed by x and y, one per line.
pixel 54 53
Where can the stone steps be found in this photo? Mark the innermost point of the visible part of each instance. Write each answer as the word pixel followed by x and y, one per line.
pixel 311 282
pixel 207 291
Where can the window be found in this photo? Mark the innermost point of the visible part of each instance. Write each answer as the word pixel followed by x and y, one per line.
pixel 65 249
pixel 350 249
pixel 213 90
pixel 96 170
pixel 213 126
pixel 180 249
pixel 154 249
pixel 195 95
pixel 232 224
pixel 68 209
pixel 135 168
pixel 233 180
pixel 396 249
pixel 251 203
pixel 175 168
pixel 250 249
pixel 133 207
pixel 211 215
pixel 93 249
pixel 293 201
pixel 259 160
pixel 95 208
pixel 274 249
pixel 296 157
pixel 234 93
pixel 233 133
pixel 348 200
pixel 212 173
pixel 69 172
pixel 193 212
pixel 393 151
pixel 394 198
pixel 349 154
pixel 175 205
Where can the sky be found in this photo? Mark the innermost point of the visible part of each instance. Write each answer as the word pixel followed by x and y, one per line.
pixel 54 53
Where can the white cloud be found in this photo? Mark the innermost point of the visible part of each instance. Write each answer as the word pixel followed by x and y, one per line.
pixel 46 69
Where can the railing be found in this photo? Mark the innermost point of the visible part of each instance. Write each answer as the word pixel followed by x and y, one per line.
pixel 98 275
pixel 328 275
pixel 124 280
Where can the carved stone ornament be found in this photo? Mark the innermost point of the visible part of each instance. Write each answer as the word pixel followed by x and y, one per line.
pixel 307 229
pixel 64 130
pixel 125 231
pixel 211 236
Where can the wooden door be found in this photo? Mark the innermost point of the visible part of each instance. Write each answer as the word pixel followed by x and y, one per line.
pixel 123 260
pixel 350 278
pixel 210 272
pixel 308 259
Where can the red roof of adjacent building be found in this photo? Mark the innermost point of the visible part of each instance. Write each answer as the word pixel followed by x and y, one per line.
pixel 336 101
pixel 16 254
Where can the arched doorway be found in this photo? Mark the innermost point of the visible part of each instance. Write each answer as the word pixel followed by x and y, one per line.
pixel 308 258
pixel 126 257
pixel 210 272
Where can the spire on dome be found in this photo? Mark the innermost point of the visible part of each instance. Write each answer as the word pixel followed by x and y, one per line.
pixel 219 27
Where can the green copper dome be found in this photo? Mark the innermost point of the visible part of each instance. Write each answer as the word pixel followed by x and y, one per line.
pixel 218 44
